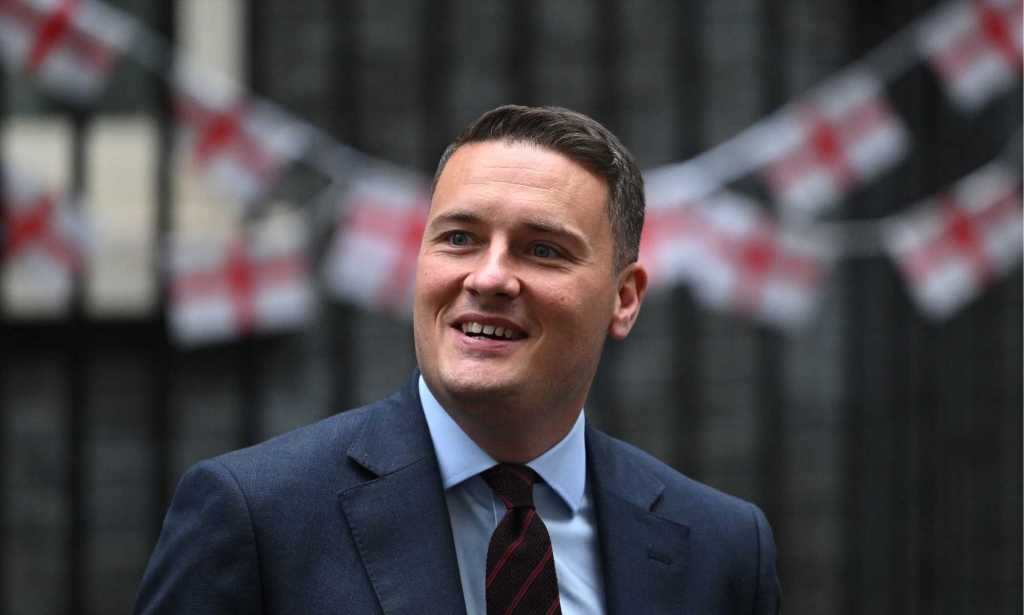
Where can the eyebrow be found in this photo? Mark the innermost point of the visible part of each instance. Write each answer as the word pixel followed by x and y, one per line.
pixel 457 216
pixel 545 227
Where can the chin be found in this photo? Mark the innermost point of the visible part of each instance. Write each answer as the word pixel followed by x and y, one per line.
pixel 470 385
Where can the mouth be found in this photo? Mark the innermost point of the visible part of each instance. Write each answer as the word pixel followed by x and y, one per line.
pixel 497 329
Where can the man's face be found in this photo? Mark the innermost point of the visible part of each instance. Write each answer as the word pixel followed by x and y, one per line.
pixel 515 288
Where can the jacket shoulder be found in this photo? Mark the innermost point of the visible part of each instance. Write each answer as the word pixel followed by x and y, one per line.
pixel 729 536
pixel 683 498
pixel 309 456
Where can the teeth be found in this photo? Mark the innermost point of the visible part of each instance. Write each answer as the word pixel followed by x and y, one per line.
pixel 475 327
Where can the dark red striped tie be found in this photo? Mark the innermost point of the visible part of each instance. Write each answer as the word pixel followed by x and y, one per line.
pixel 520 565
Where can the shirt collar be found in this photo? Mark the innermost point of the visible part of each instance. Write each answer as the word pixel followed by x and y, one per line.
pixel 563 467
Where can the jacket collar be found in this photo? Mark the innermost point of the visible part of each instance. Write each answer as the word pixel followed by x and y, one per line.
pixel 643 552
pixel 396 513
pixel 394 434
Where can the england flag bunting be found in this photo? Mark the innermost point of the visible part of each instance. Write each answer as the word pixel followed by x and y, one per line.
pixel 952 246
pixel 43 239
pixel 664 246
pixel 372 258
pixel 241 145
pixel 840 137
pixel 69 46
pixel 736 259
pixel 975 47
pixel 222 291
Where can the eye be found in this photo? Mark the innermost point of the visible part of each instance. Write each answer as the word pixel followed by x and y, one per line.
pixel 541 250
pixel 458 238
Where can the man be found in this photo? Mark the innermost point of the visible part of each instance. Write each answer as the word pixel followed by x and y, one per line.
pixel 479 487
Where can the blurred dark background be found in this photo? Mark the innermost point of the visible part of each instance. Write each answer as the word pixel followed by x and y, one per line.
pixel 885 449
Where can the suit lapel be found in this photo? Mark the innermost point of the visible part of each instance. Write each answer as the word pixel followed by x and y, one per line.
pixel 645 555
pixel 399 518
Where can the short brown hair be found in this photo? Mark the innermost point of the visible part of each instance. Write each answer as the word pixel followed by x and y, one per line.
pixel 584 141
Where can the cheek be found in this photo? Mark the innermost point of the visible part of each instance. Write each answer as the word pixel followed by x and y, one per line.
pixel 584 308
pixel 425 285
pixel 433 280
pixel 564 302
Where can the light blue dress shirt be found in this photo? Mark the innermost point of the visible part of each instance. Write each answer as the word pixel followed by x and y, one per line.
pixel 562 501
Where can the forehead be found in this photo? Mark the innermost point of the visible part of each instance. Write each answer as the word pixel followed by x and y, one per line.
pixel 521 174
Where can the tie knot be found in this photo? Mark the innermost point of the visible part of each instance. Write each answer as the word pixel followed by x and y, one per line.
pixel 512 483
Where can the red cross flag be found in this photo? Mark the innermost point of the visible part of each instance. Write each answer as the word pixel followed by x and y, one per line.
pixel 69 46
pixel 222 292
pixel 43 239
pixel 372 259
pixel 736 259
pixel 951 246
pixel 40 229
pixel 240 144
pixel 669 216
pixel 843 135
pixel 975 47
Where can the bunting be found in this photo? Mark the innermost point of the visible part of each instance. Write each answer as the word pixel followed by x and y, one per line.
pixel 224 290
pixel 952 246
pixel 372 259
pixel 736 259
pixel 69 46
pixel 43 241
pixel 975 47
pixel 839 138
pixel 811 153
pixel 241 145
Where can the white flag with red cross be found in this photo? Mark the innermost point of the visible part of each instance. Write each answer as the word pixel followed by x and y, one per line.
pixel 225 290
pixel 975 47
pixel 69 46
pixel 736 259
pixel 838 138
pixel 40 228
pixel 43 237
pixel 372 258
pixel 952 246
pixel 667 220
pixel 240 144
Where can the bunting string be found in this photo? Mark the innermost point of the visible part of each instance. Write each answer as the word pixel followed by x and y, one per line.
pixel 733 253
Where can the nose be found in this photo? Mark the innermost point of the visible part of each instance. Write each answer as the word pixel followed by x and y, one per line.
pixel 492 275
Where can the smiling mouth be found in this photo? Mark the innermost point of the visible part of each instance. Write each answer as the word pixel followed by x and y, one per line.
pixel 476 329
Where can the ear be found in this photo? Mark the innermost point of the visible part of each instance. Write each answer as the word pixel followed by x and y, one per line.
pixel 632 288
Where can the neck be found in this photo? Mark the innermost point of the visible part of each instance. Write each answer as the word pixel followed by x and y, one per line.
pixel 513 434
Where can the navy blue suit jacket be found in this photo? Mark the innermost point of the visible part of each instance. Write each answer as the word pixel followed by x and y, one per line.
pixel 348 515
